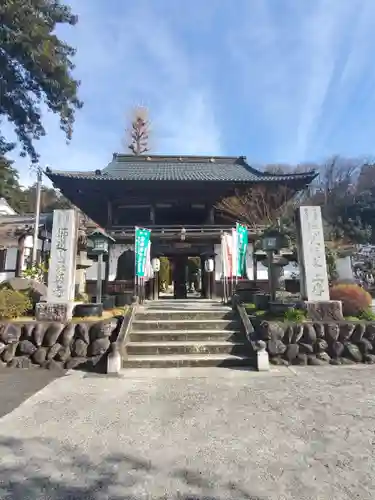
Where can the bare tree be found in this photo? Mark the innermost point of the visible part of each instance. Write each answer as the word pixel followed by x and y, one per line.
pixel 258 205
pixel 139 132
pixel 366 178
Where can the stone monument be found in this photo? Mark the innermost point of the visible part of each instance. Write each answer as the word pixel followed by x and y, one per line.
pixel 313 266
pixel 62 268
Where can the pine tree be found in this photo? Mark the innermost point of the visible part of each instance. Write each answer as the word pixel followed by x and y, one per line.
pixel 35 70
pixel 9 184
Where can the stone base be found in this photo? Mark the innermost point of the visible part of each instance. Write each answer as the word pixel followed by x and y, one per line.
pixel 60 312
pixel 328 310
pixel 263 364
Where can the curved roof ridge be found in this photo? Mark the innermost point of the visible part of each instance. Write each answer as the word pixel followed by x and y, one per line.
pixel 178 168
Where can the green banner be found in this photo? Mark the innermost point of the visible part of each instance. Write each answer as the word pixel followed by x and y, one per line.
pixel 242 242
pixel 142 239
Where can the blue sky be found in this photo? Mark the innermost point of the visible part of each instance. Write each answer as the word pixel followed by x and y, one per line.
pixel 274 80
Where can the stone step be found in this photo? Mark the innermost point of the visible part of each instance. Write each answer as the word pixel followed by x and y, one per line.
pixel 188 335
pixel 165 314
pixel 201 305
pixel 186 347
pixel 192 360
pixel 186 324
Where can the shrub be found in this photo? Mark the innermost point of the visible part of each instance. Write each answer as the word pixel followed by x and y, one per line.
pixel 14 304
pixel 250 306
pixel 367 315
pixel 355 300
pixel 81 297
pixel 295 315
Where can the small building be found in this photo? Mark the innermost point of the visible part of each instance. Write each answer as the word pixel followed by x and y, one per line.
pixel 175 197
pixel 16 240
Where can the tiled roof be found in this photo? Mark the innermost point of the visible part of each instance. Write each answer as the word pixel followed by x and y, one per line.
pixel 174 168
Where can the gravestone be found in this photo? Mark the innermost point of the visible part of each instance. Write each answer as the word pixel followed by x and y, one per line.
pixel 313 266
pixel 62 267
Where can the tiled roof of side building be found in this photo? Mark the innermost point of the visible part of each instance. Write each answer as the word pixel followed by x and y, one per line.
pixel 176 168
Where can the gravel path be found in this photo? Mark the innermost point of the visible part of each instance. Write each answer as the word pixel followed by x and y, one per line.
pixel 220 434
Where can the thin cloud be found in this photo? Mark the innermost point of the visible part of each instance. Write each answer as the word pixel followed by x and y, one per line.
pixel 303 65
pixel 129 56
pixel 278 81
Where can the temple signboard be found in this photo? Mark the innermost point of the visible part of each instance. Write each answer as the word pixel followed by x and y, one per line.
pixel 312 258
pixel 62 264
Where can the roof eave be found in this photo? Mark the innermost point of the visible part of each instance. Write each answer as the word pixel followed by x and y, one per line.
pixel 269 178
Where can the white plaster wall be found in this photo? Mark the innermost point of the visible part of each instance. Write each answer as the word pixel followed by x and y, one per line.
pixel 290 271
pixel 218 263
pixel 344 268
pixel 92 272
pixel 114 253
pixel 6 209
pixel 11 258
pixel 262 270
pixel 10 263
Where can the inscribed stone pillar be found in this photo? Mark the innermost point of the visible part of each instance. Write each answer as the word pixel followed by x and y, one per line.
pixel 312 257
pixel 313 266
pixel 62 267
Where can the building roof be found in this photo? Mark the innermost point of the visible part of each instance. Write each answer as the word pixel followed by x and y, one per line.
pixel 5 208
pixel 180 168
pixel 14 226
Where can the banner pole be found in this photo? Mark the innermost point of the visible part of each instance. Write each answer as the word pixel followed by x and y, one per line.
pixel 222 267
pixel 135 262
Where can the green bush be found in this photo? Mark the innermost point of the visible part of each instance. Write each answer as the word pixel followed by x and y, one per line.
pixel 14 304
pixel 81 297
pixel 367 315
pixel 250 306
pixel 295 315
pixel 355 300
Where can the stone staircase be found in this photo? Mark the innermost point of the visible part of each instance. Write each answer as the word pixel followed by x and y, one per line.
pixel 183 333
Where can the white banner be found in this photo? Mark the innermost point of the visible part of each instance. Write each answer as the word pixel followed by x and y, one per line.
pixel 234 253
pixel 149 272
pixel 227 254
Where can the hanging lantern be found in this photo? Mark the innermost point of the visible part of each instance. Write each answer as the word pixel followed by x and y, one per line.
pixel 155 264
pixel 209 265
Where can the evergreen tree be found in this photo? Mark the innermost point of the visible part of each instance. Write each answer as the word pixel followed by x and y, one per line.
pixel 9 184
pixel 35 70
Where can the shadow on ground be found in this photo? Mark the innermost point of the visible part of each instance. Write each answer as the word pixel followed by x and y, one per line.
pixel 17 385
pixel 34 469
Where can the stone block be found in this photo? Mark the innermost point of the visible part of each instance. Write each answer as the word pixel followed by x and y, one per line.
pixel 263 363
pixel 114 361
pixel 60 312
pixel 327 310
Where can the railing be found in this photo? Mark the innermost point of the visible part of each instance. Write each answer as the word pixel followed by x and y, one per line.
pixel 188 230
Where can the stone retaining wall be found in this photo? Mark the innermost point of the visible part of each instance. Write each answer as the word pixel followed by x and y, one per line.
pixel 317 343
pixel 57 345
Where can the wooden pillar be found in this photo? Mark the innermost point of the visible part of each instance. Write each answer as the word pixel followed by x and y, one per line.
pixel 203 278
pixel 109 213
pixel 213 283
pixel 152 215
pixel 255 268
pixel 106 276
pixel 20 253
